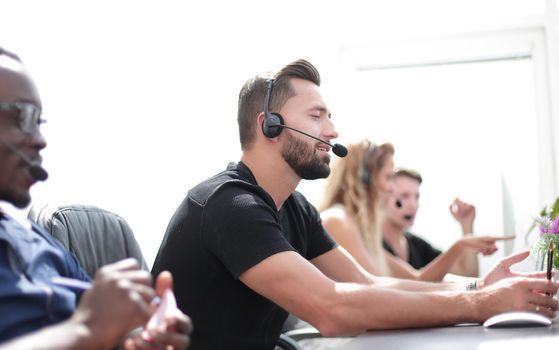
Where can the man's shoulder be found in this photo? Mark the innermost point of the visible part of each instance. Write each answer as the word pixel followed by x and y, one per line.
pixel 418 242
pixel 231 182
pixel 299 198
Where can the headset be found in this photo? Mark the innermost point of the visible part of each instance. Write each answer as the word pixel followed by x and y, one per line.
pixel 273 124
pixel 364 170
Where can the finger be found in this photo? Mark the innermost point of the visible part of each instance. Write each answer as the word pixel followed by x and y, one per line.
pixel 163 282
pixel 493 239
pixel 539 286
pixel 175 340
pixel 543 298
pixel 123 265
pixel 146 294
pixel 136 276
pixel 503 238
pixel 141 344
pixel 515 258
pixel 546 307
pixel 542 310
pixel 180 322
pixel 454 207
pixel 490 251
pixel 534 275
pixel 129 345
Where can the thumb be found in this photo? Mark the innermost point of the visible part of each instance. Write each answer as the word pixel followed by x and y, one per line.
pixel 515 258
pixel 163 282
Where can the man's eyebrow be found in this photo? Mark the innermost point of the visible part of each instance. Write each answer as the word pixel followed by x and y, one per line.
pixel 321 108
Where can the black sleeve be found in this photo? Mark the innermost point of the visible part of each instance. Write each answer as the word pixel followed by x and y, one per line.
pixel 240 228
pixel 320 240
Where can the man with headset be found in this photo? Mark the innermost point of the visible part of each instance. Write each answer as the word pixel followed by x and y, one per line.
pixel 37 313
pixel 401 209
pixel 245 248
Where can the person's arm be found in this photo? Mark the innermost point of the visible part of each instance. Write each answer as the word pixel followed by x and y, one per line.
pixel 117 302
pixel 465 213
pixel 339 308
pixel 447 261
pixel 345 231
pixel 70 334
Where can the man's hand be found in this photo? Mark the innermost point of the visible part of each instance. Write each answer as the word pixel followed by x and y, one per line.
pixel 518 294
pixel 117 302
pixel 481 244
pixel 173 332
pixel 464 213
pixel 502 270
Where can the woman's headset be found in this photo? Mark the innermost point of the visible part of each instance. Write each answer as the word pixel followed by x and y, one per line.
pixel 365 169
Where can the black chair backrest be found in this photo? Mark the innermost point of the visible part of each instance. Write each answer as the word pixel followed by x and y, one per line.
pixel 96 236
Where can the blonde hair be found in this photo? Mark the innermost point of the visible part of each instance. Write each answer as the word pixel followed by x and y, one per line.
pixel 346 186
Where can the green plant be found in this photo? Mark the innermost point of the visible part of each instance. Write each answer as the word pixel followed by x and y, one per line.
pixel 548 224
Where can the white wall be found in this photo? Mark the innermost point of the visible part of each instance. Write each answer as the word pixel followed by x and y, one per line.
pixel 140 96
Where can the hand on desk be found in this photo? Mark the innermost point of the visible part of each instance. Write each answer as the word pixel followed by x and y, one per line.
pixel 507 290
pixel 168 327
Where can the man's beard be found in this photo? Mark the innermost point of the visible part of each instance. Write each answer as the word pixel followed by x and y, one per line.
pixel 304 160
pixel 17 199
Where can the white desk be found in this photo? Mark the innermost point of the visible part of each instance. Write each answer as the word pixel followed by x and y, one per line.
pixel 459 338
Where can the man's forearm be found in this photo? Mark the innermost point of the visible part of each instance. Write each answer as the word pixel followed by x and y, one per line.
pixel 68 335
pixel 371 308
pixel 468 264
pixel 420 286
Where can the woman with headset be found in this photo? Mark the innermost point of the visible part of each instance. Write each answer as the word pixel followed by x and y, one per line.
pixel 356 192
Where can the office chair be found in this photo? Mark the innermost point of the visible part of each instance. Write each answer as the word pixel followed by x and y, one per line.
pixel 287 343
pixel 96 236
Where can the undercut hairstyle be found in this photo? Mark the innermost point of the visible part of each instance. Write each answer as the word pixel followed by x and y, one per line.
pixel 9 54
pixel 410 173
pixel 253 93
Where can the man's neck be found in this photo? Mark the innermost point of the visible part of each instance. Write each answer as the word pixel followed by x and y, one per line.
pixel 392 233
pixel 274 175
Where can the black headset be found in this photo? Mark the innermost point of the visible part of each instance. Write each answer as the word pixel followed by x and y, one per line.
pixel 271 126
pixel 365 171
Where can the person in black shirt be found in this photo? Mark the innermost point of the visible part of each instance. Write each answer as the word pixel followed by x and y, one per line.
pixel 245 248
pixel 459 259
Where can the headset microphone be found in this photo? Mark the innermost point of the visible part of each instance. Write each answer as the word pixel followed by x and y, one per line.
pixel 273 124
pixel 35 169
pixel 337 149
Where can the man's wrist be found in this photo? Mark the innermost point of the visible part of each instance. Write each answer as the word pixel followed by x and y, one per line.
pixel 472 285
pixel 467 228
pixel 83 336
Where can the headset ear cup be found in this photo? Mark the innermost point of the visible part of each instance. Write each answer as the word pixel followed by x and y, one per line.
pixel 271 126
pixel 365 175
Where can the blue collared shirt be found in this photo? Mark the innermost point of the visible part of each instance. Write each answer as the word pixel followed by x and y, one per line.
pixel 29 258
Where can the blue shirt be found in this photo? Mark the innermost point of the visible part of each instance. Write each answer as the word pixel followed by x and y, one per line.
pixel 29 258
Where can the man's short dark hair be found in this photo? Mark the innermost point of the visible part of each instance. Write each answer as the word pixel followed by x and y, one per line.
pixel 253 92
pixel 410 173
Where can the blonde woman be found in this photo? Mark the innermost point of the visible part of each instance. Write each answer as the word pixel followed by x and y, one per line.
pixel 353 199
pixel 352 212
